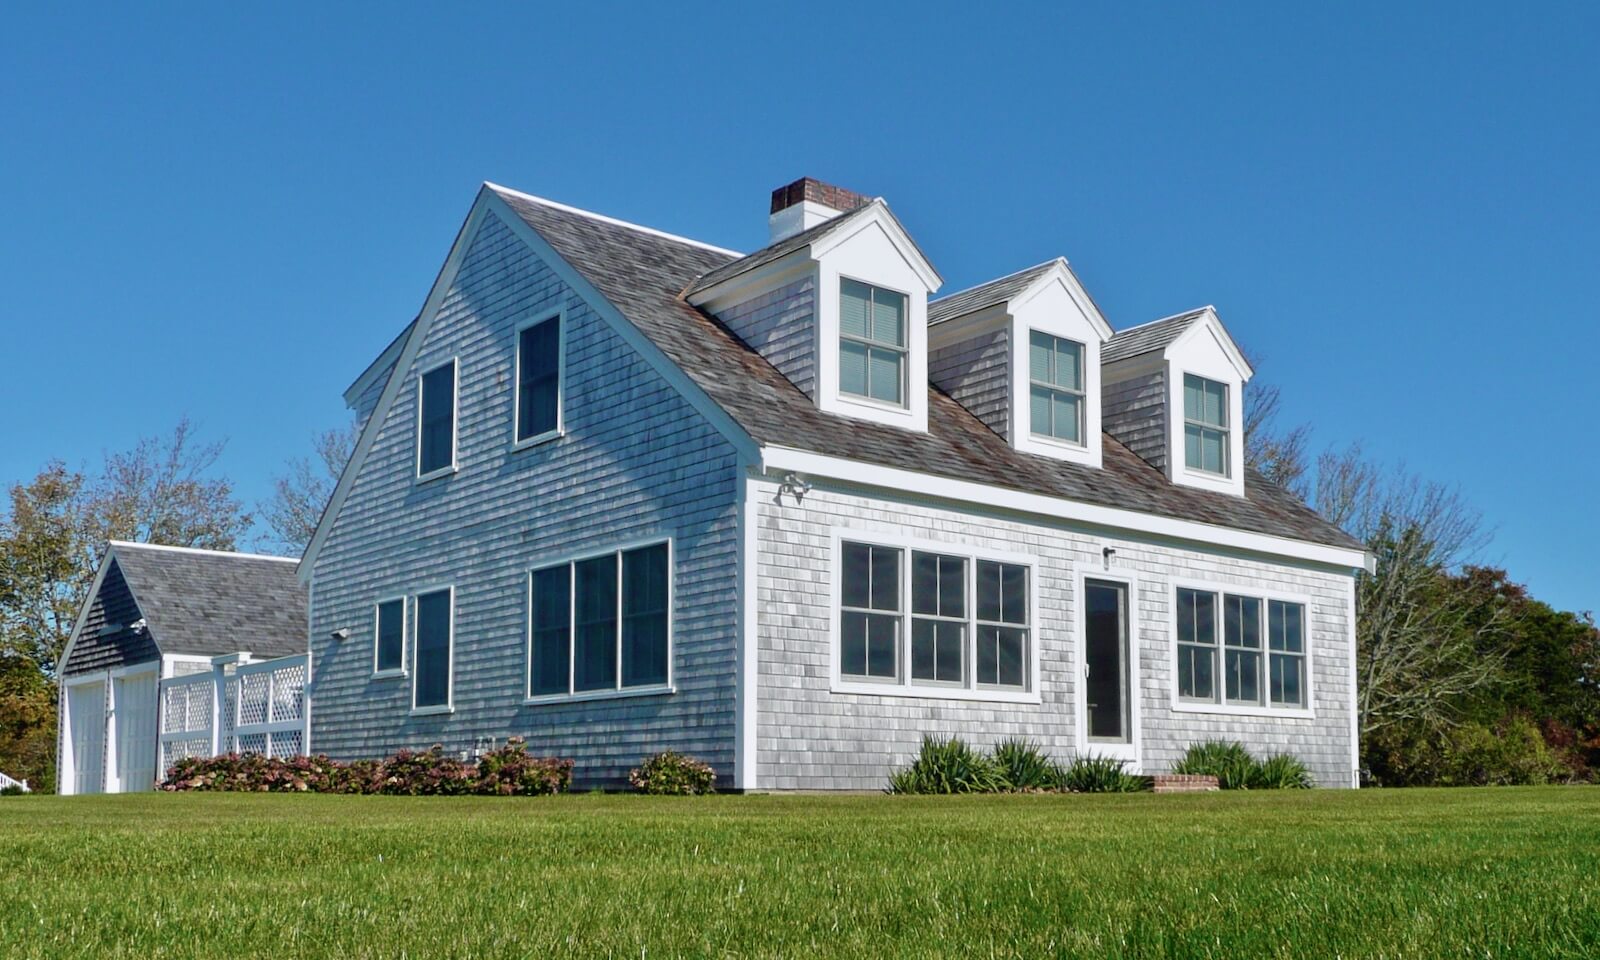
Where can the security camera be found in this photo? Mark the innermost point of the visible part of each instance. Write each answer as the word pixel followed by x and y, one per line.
pixel 138 626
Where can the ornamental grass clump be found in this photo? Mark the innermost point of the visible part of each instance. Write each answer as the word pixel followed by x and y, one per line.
pixel 673 774
pixel 1236 769
pixel 1093 773
pixel 1281 771
pixel 1026 767
pixel 949 766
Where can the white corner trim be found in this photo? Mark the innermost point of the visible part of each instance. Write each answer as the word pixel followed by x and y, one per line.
pixel 1355 675
pixel 920 485
pixel 746 758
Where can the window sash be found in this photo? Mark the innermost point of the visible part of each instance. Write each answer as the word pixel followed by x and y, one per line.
pixel 1207 439
pixel 601 623
pixel 539 362
pixel 432 669
pixel 436 419
pixel 874 330
pixel 389 636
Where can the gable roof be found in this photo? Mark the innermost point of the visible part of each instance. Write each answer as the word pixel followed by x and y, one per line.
pixel 210 603
pixel 1149 337
pixel 381 366
pixel 987 294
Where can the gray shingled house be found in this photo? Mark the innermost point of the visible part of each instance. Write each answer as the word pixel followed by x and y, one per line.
pixel 156 653
pixel 618 491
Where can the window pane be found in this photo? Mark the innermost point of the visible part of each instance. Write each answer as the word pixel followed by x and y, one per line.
pixel 988 591
pixel 1216 403
pixel 644 616
pixel 538 366
pixel 924 583
pixel 923 653
pixel 1287 628
pixel 1065 419
pixel 853 644
pixel 1287 676
pixel 1192 457
pixel 883 374
pixel 391 635
pixel 1069 365
pixel 1012 643
pixel 1194 403
pixel 1039 355
pixel 1213 445
pixel 952 587
pixel 1039 411
pixel 1197 672
pixel 1242 621
pixel 883 636
pixel 885 573
pixel 1013 593
pixel 853 368
pixel 988 665
pixel 552 649
pixel 889 317
pixel 433 649
pixel 1243 670
pixel 855 305
pixel 595 646
pixel 1197 616
pixel 952 645
pixel 438 419
pixel 936 650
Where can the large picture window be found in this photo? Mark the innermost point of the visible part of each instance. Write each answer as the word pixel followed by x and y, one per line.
pixel 436 420
pixel 539 380
pixel 601 623
pixel 1055 391
pixel 1205 425
pixel 929 618
pixel 389 637
pixel 1239 650
pixel 431 674
pixel 872 342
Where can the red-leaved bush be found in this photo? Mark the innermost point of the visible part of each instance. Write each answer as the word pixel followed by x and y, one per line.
pixel 507 771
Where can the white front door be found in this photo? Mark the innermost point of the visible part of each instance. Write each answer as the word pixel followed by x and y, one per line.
pixel 136 732
pixel 86 706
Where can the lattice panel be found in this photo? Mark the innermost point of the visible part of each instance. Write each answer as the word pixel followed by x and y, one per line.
pixel 252 698
pixel 174 750
pixel 288 693
pixel 285 745
pixel 251 743
pixel 230 704
pixel 187 707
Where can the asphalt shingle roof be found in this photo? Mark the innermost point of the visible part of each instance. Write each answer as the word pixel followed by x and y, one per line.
pixel 642 274
pixel 985 294
pixel 1148 337
pixel 211 603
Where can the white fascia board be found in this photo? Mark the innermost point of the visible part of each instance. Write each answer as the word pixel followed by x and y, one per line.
pixel 1209 321
pixel 742 286
pixel 879 213
pixel 911 483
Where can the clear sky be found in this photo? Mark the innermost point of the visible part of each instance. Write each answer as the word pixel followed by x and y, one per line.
pixel 228 212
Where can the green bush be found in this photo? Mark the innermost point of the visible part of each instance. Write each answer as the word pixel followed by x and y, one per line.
pixel 14 790
pixel 507 771
pixel 672 773
pixel 1025 766
pixel 949 766
pixel 1097 774
pixel 1512 753
pixel 1236 769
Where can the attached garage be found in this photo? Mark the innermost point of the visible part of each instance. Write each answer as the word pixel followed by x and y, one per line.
pixel 173 638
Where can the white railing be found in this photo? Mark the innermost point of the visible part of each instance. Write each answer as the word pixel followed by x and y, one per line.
pixel 238 708
pixel 6 782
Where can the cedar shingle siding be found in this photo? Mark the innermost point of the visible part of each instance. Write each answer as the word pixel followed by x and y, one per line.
pixel 114 603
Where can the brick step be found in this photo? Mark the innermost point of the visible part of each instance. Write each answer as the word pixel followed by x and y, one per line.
pixel 1183 783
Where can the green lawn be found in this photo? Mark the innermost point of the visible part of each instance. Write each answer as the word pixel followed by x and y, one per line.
pixel 1480 873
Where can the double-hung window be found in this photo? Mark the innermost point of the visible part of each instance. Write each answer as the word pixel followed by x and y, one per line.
pixel 1239 650
pixel 432 667
pixel 1205 425
pixel 601 623
pixel 873 333
pixel 389 637
pixel 436 420
pixel 1055 389
pixel 933 619
pixel 538 387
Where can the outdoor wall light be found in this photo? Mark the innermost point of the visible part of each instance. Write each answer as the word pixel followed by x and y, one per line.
pixel 343 633
pixel 795 486
pixel 1110 556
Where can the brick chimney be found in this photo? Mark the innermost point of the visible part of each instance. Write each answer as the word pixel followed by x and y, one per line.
pixel 805 203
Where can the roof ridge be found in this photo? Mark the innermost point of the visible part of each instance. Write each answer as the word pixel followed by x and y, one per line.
pixel 201 550
pixel 612 220
pixel 1176 316
pixel 1014 273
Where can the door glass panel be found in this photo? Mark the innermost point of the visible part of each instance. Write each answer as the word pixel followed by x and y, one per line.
pixel 1106 661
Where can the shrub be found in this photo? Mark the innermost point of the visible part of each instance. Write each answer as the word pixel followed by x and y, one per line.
pixel 673 773
pixel 509 771
pixel 13 790
pixel 1025 766
pixel 430 773
pixel 1097 774
pixel 1513 753
pixel 1229 762
pixel 1281 771
pixel 949 766
pixel 239 772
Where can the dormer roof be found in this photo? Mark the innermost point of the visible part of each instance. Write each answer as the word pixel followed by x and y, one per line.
pixel 1159 335
pixel 1017 286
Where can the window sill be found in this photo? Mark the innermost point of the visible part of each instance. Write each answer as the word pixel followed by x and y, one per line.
pixel 1066 446
pixel 539 439
pixel 389 674
pixel 1241 710
pixel 652 691
pixel 979 695
pixel 441 472
pixel 877 406
pixel 432 711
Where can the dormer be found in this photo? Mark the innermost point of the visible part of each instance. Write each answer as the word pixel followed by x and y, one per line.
pixel 1023 354
pixel 1173 392
pixel 838 302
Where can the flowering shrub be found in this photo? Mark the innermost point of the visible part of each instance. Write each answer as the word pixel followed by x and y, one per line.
pixel 507 771
pixel 673 773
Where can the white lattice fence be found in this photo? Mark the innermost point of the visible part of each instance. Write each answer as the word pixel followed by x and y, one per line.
pixel 259 708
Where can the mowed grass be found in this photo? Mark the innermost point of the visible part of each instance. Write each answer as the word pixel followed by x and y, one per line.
pixel 1460 873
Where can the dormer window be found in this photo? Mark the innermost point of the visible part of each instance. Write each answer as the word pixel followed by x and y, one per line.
pixel 872 342
pixel 1055 372
pixel 1205 425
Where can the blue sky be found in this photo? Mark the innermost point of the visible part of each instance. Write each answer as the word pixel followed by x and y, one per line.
pixel 227 213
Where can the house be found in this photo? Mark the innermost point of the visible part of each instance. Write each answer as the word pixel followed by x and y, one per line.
pixel 170 641
pixel 618 491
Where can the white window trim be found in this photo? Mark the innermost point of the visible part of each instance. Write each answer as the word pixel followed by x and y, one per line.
pixel 405 626
pixel 906 382
pixel 1080 445
pixel 618 692
pixel 904 686
pixel 449 705
pixel 1220 706
pixel 560 317
pixel 455 421
pixel 1133 750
